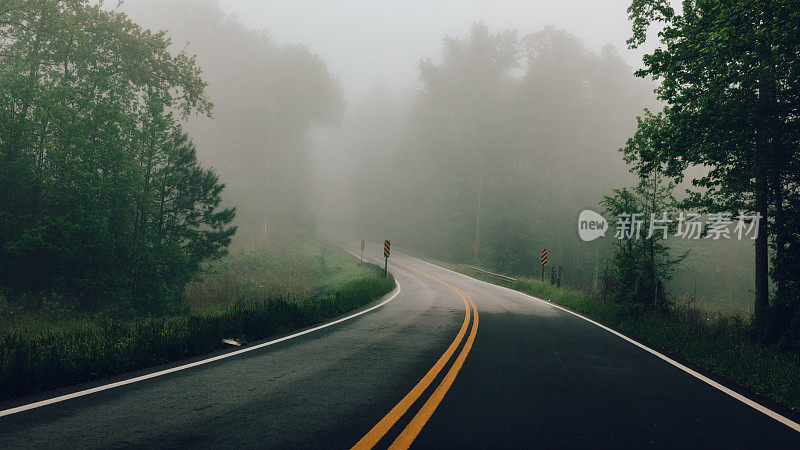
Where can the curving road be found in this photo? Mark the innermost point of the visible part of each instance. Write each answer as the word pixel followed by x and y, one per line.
pixel 448 361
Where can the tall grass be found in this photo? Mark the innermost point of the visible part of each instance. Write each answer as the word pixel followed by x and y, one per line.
pixel 291 272
pixel 37 358
pixel 715 342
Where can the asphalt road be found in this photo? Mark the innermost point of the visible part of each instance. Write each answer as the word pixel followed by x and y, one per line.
pixel 448 362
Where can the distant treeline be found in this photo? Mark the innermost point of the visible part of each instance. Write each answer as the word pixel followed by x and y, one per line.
pixel 508 140
pixel 511 137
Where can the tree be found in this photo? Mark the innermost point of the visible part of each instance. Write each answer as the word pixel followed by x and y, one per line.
pixel 728 75
pixel 530 126
pixel 643 217
pixel 187 227
pixel 268 97
pixel 101 196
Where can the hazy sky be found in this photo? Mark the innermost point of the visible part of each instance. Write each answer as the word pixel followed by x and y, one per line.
pixel 365 41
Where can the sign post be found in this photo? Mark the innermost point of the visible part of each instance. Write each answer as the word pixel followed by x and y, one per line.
pixel 362 250
pixel 387 249
pixel 543 261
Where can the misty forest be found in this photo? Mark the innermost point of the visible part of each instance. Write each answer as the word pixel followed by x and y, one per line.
pixel 165 166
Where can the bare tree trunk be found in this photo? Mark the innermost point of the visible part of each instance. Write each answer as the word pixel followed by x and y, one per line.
pixel 761 307
pixel 764 156
pixel 780 240
pixel 478 220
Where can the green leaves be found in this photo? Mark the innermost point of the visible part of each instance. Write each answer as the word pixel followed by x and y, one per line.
pixel 729 78
pixel 102 196
pixel 644 13
pixel 642 263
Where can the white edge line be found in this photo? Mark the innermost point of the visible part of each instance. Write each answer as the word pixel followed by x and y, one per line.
pixel 148 376
pixel 755 405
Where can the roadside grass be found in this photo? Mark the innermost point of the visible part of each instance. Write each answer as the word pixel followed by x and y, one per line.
pixel 249 296
pixel 291 272
pixel 715 342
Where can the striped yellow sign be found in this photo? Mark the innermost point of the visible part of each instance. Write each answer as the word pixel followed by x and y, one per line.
pixel 475 246
pixel 544 256
pixel 387 248
pixel 362 245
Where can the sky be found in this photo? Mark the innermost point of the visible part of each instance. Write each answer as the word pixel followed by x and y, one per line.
pixel 381 42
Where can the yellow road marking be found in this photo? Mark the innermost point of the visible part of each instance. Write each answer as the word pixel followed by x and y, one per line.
pixel 381 428
pixel 421 418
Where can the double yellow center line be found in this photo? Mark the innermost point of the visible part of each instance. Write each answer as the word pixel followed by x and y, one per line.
pixel 414 427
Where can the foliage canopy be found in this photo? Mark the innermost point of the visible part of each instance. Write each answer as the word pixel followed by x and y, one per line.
pixel 101 194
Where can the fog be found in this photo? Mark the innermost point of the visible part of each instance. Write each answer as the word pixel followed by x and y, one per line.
pixel 367 42
pixel 429 123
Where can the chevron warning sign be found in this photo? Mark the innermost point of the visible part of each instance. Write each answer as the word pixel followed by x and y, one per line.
pixel 387 249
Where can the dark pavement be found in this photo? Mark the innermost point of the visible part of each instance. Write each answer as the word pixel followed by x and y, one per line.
pixel 536 376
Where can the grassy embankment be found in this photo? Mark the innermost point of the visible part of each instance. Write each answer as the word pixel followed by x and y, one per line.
pixel 717 343
pixel 248 295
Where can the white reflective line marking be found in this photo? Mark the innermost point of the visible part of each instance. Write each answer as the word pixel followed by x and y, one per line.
pixel 106 387
pixel 755 405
